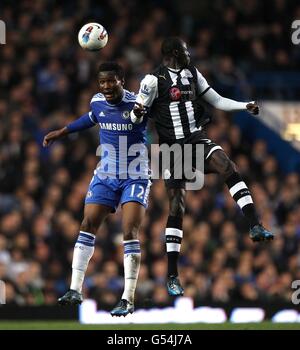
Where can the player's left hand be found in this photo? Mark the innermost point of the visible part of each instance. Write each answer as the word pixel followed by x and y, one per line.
pixel 139 110
pixel 53 136
pixel 253 108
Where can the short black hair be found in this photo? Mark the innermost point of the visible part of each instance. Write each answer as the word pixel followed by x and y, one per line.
pixel 112 67
pixel 170 44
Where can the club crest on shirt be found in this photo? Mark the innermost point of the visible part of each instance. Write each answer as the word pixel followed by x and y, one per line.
pixel 125 115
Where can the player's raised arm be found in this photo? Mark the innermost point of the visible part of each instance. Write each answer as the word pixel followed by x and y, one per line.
pixel 147 93
pixel 223 103
pixel 84 122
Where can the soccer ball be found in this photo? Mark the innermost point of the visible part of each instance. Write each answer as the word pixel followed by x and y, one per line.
pixel 92 37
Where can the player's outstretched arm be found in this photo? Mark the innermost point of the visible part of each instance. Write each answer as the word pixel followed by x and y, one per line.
pixel 228 105
pixel 54 135
pixel 225 104
pixel 84 122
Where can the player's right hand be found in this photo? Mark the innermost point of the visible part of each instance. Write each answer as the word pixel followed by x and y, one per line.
pixel 139 110
pixel 53 136
pixel 253 108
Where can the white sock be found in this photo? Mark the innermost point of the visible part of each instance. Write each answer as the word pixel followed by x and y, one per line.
pixel 173 239
pixel 83 251
pixel 132 261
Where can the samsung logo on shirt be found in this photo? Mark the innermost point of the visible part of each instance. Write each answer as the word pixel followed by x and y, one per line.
pixel 116 127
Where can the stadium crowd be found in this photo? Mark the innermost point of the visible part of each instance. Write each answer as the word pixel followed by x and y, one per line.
pixel 47 80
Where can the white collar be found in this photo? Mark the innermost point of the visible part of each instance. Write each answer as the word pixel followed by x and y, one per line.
pixel 173 69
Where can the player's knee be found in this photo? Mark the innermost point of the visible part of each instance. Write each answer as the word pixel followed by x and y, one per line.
pixel 234 167
pixel 130 231
pixel 89 225
pixel 229 169
pixel 226 167
pixel 176 202
pixel 176 210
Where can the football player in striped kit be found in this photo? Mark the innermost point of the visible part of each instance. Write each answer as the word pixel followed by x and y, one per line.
pixel 172 96
pixel 113 182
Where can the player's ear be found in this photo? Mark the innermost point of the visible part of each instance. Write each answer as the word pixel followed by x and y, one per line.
pixel 122 81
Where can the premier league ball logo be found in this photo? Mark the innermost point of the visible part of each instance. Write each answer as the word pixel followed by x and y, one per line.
pixel 86 35
pixel 175 93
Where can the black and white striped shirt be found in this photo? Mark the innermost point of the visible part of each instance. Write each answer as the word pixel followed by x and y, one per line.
pixel 173 98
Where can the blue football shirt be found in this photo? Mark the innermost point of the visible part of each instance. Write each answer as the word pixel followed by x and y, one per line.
pixel 123 147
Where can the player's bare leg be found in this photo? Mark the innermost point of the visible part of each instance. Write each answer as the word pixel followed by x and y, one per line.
pixel 94 215
pixel 133 214
pixel 174 236
pixel 220 163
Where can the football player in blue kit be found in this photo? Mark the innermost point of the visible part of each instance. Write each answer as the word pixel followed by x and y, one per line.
pixel 121 177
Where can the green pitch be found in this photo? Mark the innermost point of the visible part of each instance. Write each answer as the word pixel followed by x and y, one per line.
pixel 73 325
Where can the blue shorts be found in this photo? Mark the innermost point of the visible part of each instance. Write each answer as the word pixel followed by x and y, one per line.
pixel 112 192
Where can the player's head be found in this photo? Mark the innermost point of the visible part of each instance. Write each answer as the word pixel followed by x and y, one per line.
pixel 111 81
pixel 174 48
